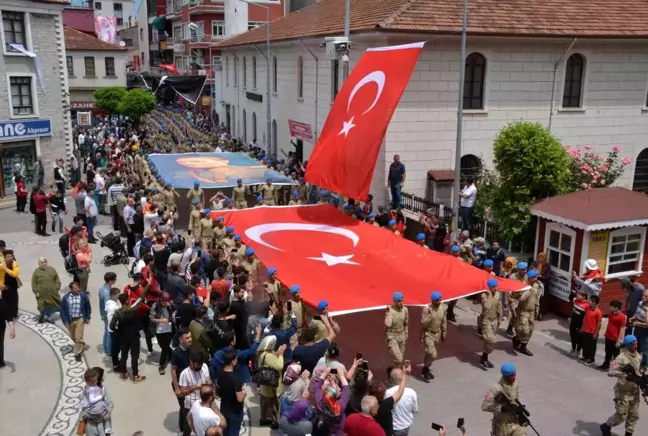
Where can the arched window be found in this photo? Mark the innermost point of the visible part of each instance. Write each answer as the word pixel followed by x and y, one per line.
pixel 244 127
pixel 573 91
pixel 226 70
pixel 274 74
pixel 233 129
pixel 274 137
pixel 470 166
pixel 254 126
pixel 244 72
pixel 474 80
pixel 235 72
pixel 300 77
pixel 640 180
pixel 254 73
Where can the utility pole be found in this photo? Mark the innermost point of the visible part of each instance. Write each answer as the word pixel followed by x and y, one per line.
pixel 462 74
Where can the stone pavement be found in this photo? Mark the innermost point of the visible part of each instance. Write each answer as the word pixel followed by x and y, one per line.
pixel 564 397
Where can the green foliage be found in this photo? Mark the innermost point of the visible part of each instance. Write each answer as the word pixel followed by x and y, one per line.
pixel 487 182
pixel 136 103
pixel 108 99
pixel 532 165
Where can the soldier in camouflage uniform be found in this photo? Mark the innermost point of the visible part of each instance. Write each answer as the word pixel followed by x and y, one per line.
pixel 396 329
pixel 505 421
pixel 527 310
pixel 434 326
pixel 490 319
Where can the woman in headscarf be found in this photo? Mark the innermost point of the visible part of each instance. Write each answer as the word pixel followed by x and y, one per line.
pixel 268 358
pixel 330 402
pixel 296 411
pixel 45 286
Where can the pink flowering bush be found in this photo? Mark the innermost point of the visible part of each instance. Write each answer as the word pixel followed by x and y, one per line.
pixel 590 170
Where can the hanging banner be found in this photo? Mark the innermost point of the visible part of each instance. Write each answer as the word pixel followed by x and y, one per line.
pixel 299 130
pixel 106 29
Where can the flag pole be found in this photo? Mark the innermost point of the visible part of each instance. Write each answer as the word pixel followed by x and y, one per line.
pixel 457 168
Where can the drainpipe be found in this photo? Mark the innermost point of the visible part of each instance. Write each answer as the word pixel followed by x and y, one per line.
pixel 238 92
pixel 553 85
pixel 316 88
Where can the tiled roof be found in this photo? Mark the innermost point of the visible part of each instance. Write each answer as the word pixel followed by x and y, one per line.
pixel 76 40
pixel 442 175
pixel 56 2
pixel 550 18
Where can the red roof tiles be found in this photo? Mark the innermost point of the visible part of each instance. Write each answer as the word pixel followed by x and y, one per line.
pixel 550 18
pixel 441 175
pixel 76 40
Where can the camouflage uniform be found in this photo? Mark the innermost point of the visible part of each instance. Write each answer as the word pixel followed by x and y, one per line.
pixel 239 197
pixel 269 193
pixel 194 224
pixel 433 330
pixel 490 318
pixel 504 424
pixel 396 323
pixel 528 306
pixel 207 233
pixel 626 393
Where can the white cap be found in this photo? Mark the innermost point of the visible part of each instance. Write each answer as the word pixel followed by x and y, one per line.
pixel 591 265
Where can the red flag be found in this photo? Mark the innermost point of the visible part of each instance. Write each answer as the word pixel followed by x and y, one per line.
pixel 345 155
pixel 351 264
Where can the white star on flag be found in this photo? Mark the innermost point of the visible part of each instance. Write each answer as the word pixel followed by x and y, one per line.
pixel 348 125
pixel 335 260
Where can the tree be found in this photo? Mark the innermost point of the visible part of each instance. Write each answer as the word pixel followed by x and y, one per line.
pixel 532 165
pixel 136 103
pixel 108 99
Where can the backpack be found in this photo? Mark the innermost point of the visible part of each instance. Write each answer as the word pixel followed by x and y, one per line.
pixel 64 245
pixel 70 264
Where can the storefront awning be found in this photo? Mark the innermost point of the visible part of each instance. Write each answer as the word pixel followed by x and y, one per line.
pixel 159 23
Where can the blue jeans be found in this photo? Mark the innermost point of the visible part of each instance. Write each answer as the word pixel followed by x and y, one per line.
pixel 106 338
pixel 58 218
pixel 466 214
pixel 234 423
pixel 47 313
pixel 395 189
pixel 642 342
pixel 92 222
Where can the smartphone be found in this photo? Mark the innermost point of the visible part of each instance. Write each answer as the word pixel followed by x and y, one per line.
pixel 317 317
pixel 460 422
pixel 407 363
pixel 364 366
pixel 289 306
pixel 358 356
pixel 436 426
pixel 334 371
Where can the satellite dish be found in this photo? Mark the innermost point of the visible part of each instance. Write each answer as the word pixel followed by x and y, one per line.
pixel 122 44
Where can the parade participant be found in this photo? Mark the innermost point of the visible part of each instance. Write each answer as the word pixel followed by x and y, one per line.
pixel 239 246
pixel 194 220
pixel 219 231
pixel 239 193
pixel 269 193
pixel 392 226
pixel 321 331
pixel 251 264
pixel 303 191
pixel 505 421
pixel 228 241
pixel 490 319
pixel 371 219
pixel 273 286
pixel 488 267
pixel 455 251
pixel 206 230
pixel 170 196
pixel 626 390
pixel 527 309
pixel 420 240
pixel 324 197
pixel 396 326
pixel 297 309
pixel 433 330
pixel 513 298
pixel 196 194
pixel 294 201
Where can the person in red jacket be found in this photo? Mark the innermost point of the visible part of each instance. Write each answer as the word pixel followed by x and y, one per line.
pixel 143 312
pixel 21 194
pixel 40 201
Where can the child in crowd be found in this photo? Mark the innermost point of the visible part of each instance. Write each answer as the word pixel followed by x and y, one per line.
pixel 614 333
pixel 576 321
pixel 94 406
pixel 590 330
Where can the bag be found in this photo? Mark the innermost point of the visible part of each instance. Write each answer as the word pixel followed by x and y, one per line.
pixel 265 376
pixel 71 264
pixel 64 244
pixel 81 427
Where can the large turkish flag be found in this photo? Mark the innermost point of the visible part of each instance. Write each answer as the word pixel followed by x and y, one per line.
pixel 345 155
pixel 352 264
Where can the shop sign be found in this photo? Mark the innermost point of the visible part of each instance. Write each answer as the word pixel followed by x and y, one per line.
pixel 299 130
pixel 84 118
pixel 25 128
pixel 82 105
pixel 598 248
pixel 178 48
pixel 559 284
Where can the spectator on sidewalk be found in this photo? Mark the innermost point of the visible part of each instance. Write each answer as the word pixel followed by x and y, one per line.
pixel 406 407
pixel 590 330
pixel 75 314
pixel 46 285
pixel 614 333
pixel 232 395
pixel 190 382
pixel 203 413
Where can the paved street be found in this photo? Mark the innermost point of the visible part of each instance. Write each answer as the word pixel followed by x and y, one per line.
pixel 564 397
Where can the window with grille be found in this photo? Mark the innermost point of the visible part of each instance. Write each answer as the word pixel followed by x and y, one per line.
pixel 274 74
pixel 335 78
pixel 300 77
pixel 22 99
pixel 473 96
pixel 560 249
pixel 227 71
pixel 254 72
pixel 110 67
pixel 572 94
pixel 244 72
pixel 120 21
pixel 117 7
pixel 625 250
pixel 70 65
pixel 218 29
pixel 90 66
pixel 235 72
pixel 14 29
pixel 98 6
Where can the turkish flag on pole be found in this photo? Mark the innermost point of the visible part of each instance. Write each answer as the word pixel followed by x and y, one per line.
pixel 345 155
pixel 353 265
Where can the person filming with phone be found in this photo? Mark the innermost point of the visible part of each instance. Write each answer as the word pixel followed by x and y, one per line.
pixel 443 432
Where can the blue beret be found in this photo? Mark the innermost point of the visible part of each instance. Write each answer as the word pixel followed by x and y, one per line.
pixel 228 200
pixel 249 251
pixel 219 219
pixel 348 207
pixel 420 236
pixel 294 289
pixel 336 201
pixel 259 197
pixel 629 340
pixel 324 193
pixel 268 179
pixel 272 270
pixel 435 296
pixel 489 263
pixel 371 215
pixel 532 274
pixel 522 265
pixel 206 211
pixel 398 296
pixel 492 283
pixel 455 249
pixel 295 193
pixel 195 202
pixel 229 229
pixel 196 183
pixel 508 369
pixel 239 180
pixel 301 179
pixel 392 222
pixel 322 305
pixel 237 238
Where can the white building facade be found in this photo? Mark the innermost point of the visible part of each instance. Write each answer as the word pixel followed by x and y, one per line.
pixel 34 120
pixel 599 97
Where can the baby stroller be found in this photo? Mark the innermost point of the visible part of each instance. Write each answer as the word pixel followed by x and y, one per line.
pixel 113 242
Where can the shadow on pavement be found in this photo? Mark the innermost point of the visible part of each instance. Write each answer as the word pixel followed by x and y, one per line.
pixel 583 428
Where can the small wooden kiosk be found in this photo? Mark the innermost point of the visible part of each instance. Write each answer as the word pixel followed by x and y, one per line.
pixel 607 225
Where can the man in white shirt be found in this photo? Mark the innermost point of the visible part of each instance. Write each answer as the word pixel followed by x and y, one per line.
pixel 467 204
pixel 191 381
pixel 407 406
pixel 91 212
pixel 100 187
pixel 112 305
pixel 202 415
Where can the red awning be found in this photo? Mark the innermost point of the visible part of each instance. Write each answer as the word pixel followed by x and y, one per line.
pixel 169 67
pixel 351 264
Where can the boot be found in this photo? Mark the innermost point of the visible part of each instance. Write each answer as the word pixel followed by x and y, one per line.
pixel 509 330
pixel 606 430
pixel 451 316
pixel 485 362
pixel 516 343
pixel 426 373
pixel 525 350
pixel 479 331
pixel 627 433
